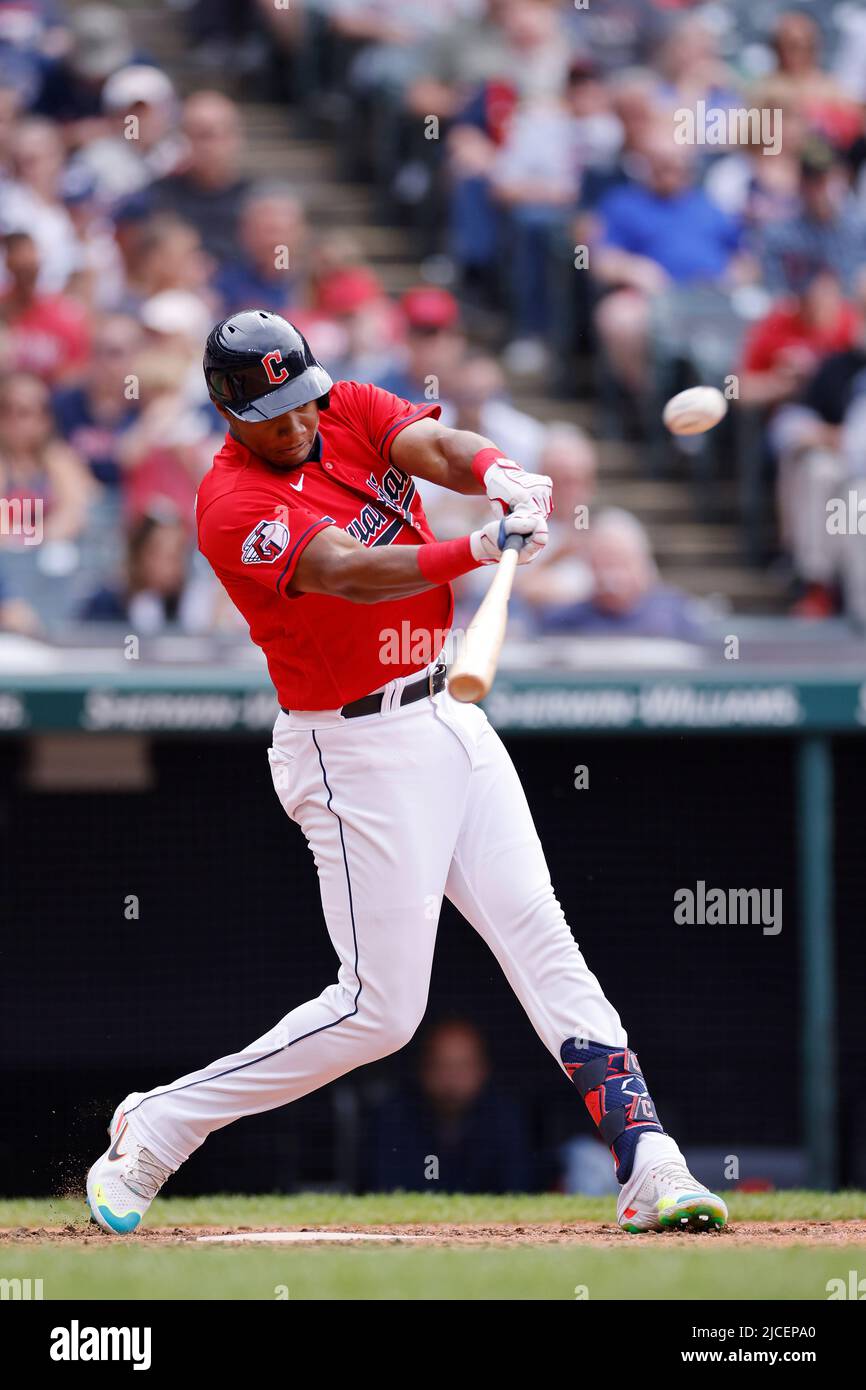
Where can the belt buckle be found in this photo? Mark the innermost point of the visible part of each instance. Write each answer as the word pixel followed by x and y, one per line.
pixel 438 670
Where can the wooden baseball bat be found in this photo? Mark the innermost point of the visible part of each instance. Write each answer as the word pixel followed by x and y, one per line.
pixel 474 670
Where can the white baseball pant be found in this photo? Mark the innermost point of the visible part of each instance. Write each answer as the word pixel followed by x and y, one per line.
pixel 399 809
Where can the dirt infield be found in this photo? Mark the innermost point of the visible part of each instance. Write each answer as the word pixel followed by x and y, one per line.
pixel 592 1233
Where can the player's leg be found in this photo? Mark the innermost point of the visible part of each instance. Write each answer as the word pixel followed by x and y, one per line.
pixel 499 880
pixel 361 792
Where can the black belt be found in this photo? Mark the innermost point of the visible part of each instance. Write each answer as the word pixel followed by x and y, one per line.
pixel 431 684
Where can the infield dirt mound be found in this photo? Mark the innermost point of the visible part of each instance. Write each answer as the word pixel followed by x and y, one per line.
pixel 543 1233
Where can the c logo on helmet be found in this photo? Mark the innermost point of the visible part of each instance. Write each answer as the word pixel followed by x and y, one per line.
pixel 269 361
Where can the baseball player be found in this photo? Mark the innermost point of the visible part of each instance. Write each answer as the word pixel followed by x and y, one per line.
pixel 311 519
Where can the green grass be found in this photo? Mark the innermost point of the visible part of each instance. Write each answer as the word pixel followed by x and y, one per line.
pixel 524 1272
pixel 629 1268
pixel 325 1208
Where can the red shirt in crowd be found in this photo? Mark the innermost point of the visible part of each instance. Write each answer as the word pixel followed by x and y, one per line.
pixel 50 338
pixel 254 522
pixel 785 327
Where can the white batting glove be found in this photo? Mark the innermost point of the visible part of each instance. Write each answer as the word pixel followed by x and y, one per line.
pixel 509 486
pixel 487 544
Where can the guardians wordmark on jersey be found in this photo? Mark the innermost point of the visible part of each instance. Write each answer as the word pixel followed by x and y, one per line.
pixel 254 522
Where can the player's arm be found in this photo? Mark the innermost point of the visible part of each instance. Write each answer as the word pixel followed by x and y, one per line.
pixel 335 563
pixel 467 462
pixel 429 450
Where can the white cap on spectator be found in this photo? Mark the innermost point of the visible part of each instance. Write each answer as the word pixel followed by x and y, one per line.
pixel 138 83
pixel 177 311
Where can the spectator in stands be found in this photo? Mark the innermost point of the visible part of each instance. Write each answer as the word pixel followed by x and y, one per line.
pixel 628 599
pixel 287 26
pixel 657 234
pixel 479 402
pixel 535 179
pixel 176 323
pixel 426 366
pixel 799 85
pixel 209 188
pixel 353 323
pixel 98 281
pixel 388 38
pixel 130 226
pixel 38 469
pixel 99 44
pixel 691 68
pixel 160 590
pixel 522 53
pixel 757 187
pixel 522 45
pixel 467 55
pixel 140 143
pixel 815 463
pixel 33 202
pixel 29 35
pixel 268 269
pixel 564 575
pixel 827 226
pixel 44 333
pixel 620 34
pixel 223 33
pixel 479 1137
pixel 94 416
pixel 636 104
pixel 167 449
pixel 165 253
pixel 396 22
pixel 782 350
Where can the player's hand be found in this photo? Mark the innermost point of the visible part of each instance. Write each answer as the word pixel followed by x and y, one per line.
pixel 527 521
pixel 509 486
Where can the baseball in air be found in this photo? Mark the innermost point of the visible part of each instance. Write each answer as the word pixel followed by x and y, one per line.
pixel 695 410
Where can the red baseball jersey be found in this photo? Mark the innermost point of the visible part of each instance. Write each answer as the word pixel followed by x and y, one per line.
pixel 254 522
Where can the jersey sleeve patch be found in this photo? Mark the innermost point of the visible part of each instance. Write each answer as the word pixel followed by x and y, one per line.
pixel 267 541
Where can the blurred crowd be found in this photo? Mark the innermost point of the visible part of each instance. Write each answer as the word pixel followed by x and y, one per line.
pixel 511 138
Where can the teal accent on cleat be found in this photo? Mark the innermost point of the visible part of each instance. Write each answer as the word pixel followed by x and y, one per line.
pixel 121 1224
pixel 122 1183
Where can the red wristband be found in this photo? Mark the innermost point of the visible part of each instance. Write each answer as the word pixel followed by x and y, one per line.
pixel 442 561
pixel 483 460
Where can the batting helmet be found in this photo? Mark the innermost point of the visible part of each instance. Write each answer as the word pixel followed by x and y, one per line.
pixel 258 366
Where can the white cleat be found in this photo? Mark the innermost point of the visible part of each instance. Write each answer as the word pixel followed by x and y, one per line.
pixel 664 1196
pixel 122 1183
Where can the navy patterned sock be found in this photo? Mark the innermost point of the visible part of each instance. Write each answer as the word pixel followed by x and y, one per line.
pixel 615 1094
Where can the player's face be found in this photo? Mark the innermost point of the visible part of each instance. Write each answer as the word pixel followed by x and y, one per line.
pixel 283 442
